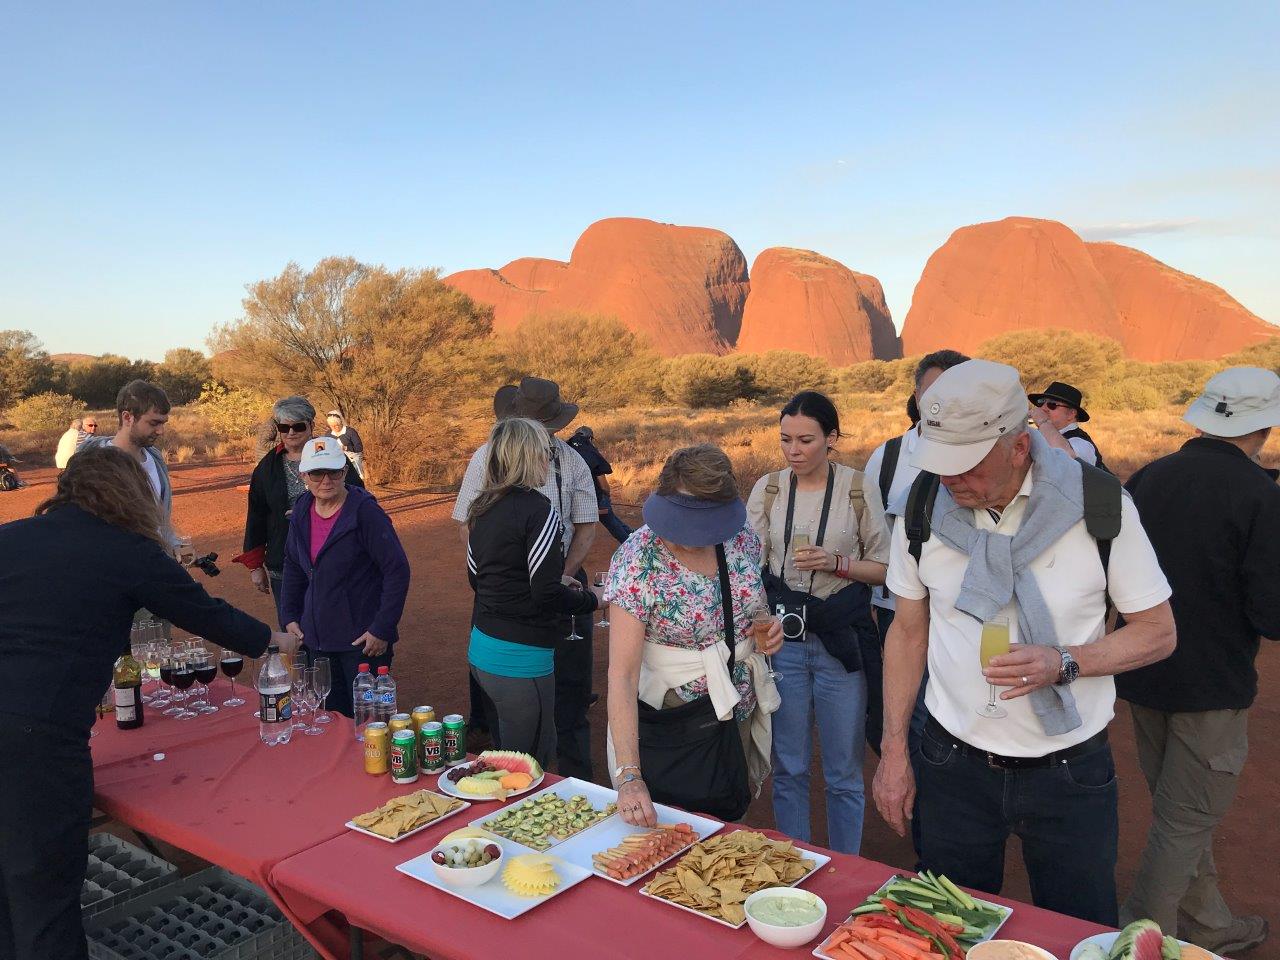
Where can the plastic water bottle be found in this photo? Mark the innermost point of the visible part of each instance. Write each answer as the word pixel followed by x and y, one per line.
pixel 275 723
pixel 362 700
pixel 386 695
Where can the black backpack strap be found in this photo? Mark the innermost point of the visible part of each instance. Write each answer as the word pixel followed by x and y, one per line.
pixel 1102 503
pixel 924 490
pixel 888 467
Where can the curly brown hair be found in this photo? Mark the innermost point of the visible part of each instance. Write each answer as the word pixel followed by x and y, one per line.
pixel 702 471
pixel 110 484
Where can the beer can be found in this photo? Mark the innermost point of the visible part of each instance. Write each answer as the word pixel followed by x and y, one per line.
pixel 431 741
pixel 400 721
pixel 404 757
pixel 455 739
pixel 377 744
pixel 420 716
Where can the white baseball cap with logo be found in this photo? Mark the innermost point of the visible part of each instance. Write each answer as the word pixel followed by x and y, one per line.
pixel 322 453
pixel 964 413
pixel 1237 401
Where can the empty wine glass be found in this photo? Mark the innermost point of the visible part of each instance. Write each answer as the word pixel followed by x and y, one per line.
pixel 599 582
pixel 323 686
pixel 297 665
pixel 309 700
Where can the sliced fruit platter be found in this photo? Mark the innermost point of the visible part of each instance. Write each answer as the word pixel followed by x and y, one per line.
pixel 931 906
pixel 493 775
pixel 1140 940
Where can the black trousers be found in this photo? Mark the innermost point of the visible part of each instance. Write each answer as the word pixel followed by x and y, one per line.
pixel 45 804
pixel 573 696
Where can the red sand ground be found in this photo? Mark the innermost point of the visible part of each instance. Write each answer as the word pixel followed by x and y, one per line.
pixel 431 668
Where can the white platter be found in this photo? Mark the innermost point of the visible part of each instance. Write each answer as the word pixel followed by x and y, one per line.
pixel 1106 941
pixel 494 896
pixel 569 787
pixel 445 785
pixel 351 825
pixel 610 833
pixel 820 861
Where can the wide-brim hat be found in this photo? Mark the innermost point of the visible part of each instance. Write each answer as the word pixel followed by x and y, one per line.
pixel 694 522
pixel 535 399
pixel 1063 393
pixel 1237 401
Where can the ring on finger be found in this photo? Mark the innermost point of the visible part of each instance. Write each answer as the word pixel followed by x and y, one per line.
pixel 1025 681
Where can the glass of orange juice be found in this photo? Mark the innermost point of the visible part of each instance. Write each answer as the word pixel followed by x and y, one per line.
pixel 994 643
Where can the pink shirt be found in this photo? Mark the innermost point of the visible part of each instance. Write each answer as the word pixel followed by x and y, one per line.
pixel 320 527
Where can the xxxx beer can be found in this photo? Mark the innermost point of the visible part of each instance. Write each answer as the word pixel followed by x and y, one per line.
pixel 404 757
pixel 420 716
pixel 377 745
pixel 400 721
pixel 431 743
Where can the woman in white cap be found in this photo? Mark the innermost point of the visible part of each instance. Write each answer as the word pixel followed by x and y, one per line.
pixel 674 585
pixel 345 573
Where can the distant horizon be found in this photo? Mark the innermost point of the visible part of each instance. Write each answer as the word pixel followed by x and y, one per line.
pixel 178 153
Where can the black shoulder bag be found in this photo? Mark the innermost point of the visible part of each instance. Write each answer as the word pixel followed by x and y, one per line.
pixel 689 757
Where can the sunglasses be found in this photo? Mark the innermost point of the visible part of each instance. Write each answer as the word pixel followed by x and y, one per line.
pixel 323 474
pixel 1053 405
pixel 293 427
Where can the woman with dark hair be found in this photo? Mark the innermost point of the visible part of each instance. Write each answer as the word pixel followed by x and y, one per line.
pixel 274 488
pixel 680 588
pixel 515 563
pixel 824 547
pixel 90 557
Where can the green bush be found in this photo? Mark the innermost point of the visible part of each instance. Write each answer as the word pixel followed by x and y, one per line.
pixel 705 380
pixel 45 411
pixel 1042 356
pixel 1128 395
pixel 778 375
pixel 232 413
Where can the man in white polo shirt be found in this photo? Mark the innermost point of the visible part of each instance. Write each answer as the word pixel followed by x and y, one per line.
pixel 1007 539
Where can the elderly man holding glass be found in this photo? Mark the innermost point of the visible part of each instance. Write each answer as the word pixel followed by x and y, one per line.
pixel 275 486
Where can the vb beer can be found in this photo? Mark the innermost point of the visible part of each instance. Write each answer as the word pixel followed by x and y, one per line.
pixel 455 739
pixel 404 757
pixel 431 743
pixel 376 747
pixel 420 716
pixel 400 721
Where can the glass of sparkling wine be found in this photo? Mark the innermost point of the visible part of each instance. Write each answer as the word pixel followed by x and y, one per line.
pixel 604 610
pixel 994 643
pixel 761 620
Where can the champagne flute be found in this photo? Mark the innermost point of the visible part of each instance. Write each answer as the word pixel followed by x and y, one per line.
pixel 799 542
pixel 184 550
pixel 231 663
pixel 599 582
pixel 761 620
pixel 309 700
pixel 994 643
pixel 298 680
pixel 323 687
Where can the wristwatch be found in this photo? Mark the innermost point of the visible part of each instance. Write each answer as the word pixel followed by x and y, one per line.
pixel 630 777
pixel 623 768
pixel 1070 670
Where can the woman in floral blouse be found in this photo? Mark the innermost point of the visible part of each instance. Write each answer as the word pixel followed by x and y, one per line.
pixel 666 637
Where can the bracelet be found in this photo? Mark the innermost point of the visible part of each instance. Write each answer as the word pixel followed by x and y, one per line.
pixel 630 778
pixel 836 569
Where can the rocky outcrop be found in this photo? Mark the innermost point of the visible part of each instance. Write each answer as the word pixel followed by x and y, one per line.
pixel 1166 314
pixel 801 300
pixel 682 287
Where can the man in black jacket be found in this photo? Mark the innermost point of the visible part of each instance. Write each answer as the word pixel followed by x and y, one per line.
pixel 1213 515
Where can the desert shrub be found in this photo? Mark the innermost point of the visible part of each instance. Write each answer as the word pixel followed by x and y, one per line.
pixel 182 453
pixel 870 376
pixel 705 380
pixel 25 367
pixel 232 413
pixel 97 381
pixel 1265 354
pixel 1132 395
pixel 45 411
pixel 1176 381
pixel 1042 356
pixel 183 374
pixel 778 375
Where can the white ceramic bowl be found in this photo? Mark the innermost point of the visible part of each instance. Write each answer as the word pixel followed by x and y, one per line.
pixel 465 878
pixel 785 937
pixel 992 948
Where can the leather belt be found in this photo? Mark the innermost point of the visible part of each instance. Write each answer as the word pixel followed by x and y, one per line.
pixel 1000 762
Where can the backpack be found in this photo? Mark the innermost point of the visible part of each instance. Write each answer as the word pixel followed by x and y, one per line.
pixel 1102 504
pixel 1077 431
pixel 888 467
pixel 856 500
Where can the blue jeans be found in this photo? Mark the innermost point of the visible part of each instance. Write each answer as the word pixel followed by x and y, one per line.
pixel 610 520
pixel 814 684
pixel 1065 814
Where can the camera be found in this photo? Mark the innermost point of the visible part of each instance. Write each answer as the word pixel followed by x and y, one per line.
pixel 207 564
pixel 795 619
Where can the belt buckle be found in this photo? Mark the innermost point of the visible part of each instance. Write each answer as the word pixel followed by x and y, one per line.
pixel 992 761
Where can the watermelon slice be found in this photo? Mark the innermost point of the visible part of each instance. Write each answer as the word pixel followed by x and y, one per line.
pixel 512 761
pixel 1140 940
pixel 1172 949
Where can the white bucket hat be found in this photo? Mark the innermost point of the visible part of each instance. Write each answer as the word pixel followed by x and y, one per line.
pixel 322 453
pixel 1237 401
pixel 964 413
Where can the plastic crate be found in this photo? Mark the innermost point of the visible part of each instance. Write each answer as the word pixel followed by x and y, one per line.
pixel 117 872
pixel 210 915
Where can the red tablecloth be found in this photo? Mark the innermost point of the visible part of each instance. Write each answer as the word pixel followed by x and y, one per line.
pixel 356 876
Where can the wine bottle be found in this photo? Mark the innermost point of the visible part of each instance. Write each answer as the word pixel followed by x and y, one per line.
pixel 126 689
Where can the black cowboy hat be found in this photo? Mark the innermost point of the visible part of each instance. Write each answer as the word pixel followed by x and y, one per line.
pixel 536 399
pixel 1064 393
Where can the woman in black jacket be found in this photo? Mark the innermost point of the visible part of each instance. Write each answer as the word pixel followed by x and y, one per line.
pixel 76 573
pixel 274 487
pixel 515 563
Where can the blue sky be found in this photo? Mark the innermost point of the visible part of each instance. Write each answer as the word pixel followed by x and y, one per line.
pixel 158 157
